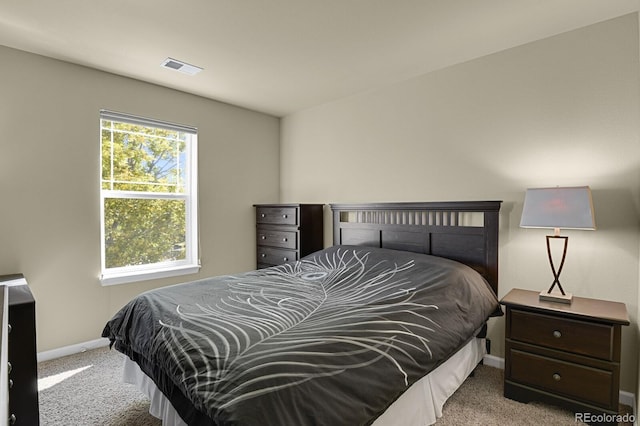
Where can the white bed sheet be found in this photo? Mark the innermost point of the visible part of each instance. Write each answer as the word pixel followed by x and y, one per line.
pixel 420 405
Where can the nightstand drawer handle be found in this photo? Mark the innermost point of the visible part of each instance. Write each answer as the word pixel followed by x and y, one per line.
pixel 557 334
pixel 263 237
pixel 263 215
pixel 557 377
pixel 285 239
pixel 284 216
pixel 286 259
pixel 263 255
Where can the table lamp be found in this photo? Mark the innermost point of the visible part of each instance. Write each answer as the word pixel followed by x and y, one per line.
pixel 556 208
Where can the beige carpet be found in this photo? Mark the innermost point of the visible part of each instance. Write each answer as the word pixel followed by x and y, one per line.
pixel 93 395
pixel 479 401
pixel 86 389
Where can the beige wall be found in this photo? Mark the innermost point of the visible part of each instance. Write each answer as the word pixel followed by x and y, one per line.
pixel 560 111
pixel 49 159
pixel 637 325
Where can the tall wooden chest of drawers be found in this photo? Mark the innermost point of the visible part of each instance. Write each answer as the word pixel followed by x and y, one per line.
pixel 23 371
pixel 287 232
pixel 568 355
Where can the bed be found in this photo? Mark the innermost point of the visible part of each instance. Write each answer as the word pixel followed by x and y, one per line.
pixel 378 329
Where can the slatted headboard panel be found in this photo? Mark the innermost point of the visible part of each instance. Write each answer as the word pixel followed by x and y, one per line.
pixel 466 231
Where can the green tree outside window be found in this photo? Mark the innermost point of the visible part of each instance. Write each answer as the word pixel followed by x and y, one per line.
pixel 143 183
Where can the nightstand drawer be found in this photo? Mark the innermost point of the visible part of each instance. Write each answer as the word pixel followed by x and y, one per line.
pixel 277 215
pixel 576 381
pixel 585 338
pixel 275 238
pixel 273 256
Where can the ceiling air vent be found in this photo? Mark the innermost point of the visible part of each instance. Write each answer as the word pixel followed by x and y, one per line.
pixel 183 67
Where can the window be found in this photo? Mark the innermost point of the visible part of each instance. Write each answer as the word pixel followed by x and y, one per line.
pixel 148 197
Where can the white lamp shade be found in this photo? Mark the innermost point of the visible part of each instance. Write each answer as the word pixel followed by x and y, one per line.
pixel 559 207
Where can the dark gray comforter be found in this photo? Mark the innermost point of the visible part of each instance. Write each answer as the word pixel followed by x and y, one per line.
pixel 333 339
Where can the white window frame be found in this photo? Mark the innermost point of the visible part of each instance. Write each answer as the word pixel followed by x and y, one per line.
pixel 191 263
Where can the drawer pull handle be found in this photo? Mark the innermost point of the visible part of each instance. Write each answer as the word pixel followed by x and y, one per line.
pixel 557 334
pixel 286 259
pixel 262 237
pixel 10 383
pixel 557 377
pixel 285 239
pixel 284 216
pixel 263 255
pixel 263 215
pixel 12 419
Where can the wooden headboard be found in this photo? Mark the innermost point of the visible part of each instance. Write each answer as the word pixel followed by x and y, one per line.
pixel 465 231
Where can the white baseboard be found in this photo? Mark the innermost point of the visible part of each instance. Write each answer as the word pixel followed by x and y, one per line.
pixel 493 361
pixel 626 398
pixel 72 349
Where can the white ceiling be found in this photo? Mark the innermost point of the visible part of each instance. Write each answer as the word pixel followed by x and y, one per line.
pixel 282 56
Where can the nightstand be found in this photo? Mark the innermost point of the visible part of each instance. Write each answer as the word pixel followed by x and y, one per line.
pixel 567 355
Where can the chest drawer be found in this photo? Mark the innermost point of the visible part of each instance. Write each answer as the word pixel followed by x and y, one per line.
pixel 274 256
pixel 276 238
pixel 277 215
pixel 587 384
pixel 584 338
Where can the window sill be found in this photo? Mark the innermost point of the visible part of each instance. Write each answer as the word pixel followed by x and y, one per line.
pixel 149 274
